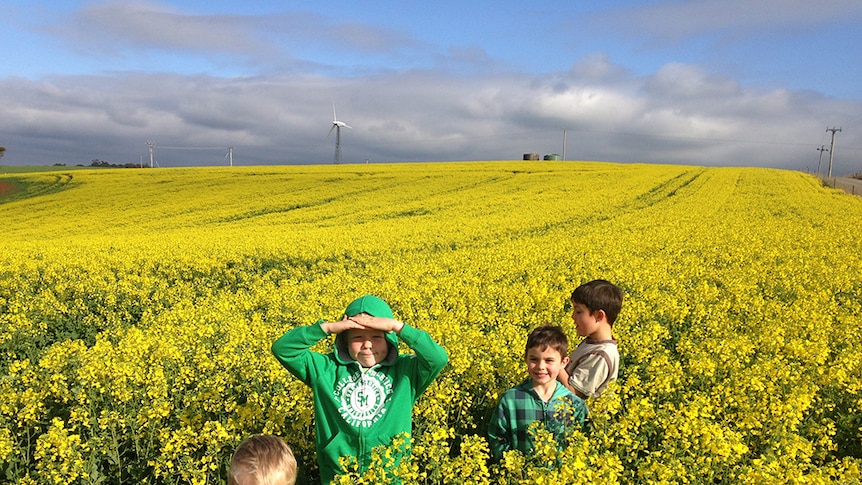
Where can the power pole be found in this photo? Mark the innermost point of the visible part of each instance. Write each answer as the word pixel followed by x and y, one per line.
pixel 832 147
pixel 821 150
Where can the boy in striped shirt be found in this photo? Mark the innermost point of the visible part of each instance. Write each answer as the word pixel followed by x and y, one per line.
pixel 596 360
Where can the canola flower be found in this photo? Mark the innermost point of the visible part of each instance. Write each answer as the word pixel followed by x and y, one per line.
pixel 137 308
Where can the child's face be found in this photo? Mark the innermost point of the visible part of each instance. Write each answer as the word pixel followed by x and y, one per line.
pixel 586 322
pixel 368 347
pixel 544 365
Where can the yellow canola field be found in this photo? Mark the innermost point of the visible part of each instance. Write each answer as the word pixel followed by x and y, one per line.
pixel 137 308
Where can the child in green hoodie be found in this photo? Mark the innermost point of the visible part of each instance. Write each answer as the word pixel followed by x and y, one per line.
pixel 364 390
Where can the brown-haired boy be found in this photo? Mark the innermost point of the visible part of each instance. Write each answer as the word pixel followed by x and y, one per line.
pixel 595 362
pixel 539 398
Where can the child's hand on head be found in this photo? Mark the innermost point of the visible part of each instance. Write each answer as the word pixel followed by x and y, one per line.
pixel 377 323
pixel 341 325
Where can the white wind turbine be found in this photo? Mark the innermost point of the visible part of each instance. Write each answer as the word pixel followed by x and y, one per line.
pixel 229 154
pixel 336 125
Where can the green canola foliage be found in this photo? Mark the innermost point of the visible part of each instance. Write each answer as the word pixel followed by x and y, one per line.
pixel 137 308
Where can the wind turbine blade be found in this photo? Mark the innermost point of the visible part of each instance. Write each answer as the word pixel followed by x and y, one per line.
pixel 330 131
pixel 347 126
pixel 334 118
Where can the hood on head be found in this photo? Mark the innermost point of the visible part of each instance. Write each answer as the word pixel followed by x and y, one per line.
pixel 373 306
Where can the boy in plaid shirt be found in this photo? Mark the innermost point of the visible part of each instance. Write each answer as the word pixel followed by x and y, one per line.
pixel 539 398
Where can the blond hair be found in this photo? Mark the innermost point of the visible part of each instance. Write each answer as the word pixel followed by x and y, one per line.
pixel 262 460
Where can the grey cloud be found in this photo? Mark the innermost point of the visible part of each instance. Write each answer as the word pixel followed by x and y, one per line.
pixel 278 41
pixel 683 81
pixel 675 20
pixel 114 26
pixel 350 36
pixel 472 56
pixel 598 67
pixel 680 114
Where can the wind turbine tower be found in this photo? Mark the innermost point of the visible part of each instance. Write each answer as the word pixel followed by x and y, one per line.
pixel 336 125
pixel 151 145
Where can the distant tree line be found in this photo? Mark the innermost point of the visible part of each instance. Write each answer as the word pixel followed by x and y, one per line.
pixel 93 163
pixel 104 164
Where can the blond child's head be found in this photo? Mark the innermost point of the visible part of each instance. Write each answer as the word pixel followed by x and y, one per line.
pixel 262 460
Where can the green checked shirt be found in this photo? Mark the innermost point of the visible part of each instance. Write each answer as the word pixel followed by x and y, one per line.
pixel 521 406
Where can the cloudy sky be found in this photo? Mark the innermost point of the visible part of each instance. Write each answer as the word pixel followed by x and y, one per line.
pixel 704 82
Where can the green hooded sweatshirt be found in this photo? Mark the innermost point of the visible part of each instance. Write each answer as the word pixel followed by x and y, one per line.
pixel 357 409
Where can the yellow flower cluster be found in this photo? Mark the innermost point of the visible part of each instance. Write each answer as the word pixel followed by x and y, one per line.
pixel 137 308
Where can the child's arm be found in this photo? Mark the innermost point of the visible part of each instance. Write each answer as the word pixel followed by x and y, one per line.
pixel 499 431
pixel 364 320
pixel 334 328
pixel 431 357
pixel 292 348
pixel 563 377
pixel 591 374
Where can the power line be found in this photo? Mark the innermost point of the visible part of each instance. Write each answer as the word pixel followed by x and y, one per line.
pixel 229 149
pixel 854 121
